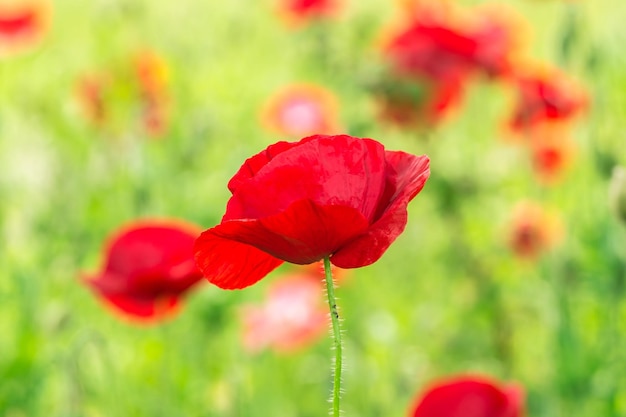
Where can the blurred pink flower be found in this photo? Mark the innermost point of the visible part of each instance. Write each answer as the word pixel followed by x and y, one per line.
pixel 301 110
pixel 292 316
pixel 469 396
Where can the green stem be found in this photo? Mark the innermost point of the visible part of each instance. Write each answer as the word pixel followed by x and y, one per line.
pixel 334 316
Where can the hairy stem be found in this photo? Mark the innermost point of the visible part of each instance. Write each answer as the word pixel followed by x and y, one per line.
pixel 334 316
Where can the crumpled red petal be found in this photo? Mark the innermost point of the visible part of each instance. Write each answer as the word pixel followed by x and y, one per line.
pixel 332 170
pixel 237 253
pixel 407 175
pixel 253 164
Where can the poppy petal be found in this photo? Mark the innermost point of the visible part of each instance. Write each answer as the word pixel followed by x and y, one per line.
pixel 332 170
pixel 151 246
pixel 149 309
pixel 253 164
pixel 237 253
pixel 230 264
pixel 467 397
pixel 406 178
pixel 113 291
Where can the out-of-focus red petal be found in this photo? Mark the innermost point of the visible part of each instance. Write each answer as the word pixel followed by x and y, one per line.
pixel 406 177
pixel 113 290
pixel 464 397
pixel 332 170
pixel 152 247
pixel 515 395
pixel 148 309
pixel 304 233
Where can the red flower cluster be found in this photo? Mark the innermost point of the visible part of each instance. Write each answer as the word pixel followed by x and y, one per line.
pixel 301 110
pixel 547 104
pixel 298 202
pixel 438 49
pixel 469 396
pixel 146 78
pixel 433 54
pixel 22 24
pixel 292 316
pixel 149 266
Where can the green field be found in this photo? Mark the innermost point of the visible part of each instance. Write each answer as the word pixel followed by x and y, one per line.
pixel 448 297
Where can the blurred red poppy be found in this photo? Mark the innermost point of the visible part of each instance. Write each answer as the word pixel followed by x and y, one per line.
pixel 292 316
pixel 298 202
pixel 533 230
pixel 301 110
pixel 22 24
pixel 149 266
pixel 428 45
pixel 298 12
pixel 545 95
pixel 432 54
pixel 469 396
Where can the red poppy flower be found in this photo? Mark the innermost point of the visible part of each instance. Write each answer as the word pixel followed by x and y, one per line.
pixel 298 202
pixel 533 230
pixel 428 66
pixel 149 266
pixel 429 45
pixel 301 110
pixel 545 95
pixel 22 24
pixel 297 12
pixel 469 396
pixel 292 316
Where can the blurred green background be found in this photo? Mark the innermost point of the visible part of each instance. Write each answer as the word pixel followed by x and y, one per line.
pixel 448 297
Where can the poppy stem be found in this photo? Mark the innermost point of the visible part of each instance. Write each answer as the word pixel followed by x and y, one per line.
pixel 334 316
